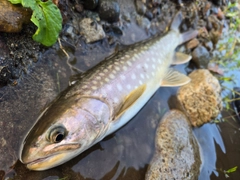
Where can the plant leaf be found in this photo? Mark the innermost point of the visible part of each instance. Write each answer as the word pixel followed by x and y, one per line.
pixel 48 19
pixel 232 170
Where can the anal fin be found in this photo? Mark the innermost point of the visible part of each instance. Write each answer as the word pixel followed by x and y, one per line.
pixel 181 58
pixel 175 78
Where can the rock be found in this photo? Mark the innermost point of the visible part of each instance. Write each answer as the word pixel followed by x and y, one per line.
pixel 90 4
pixel 192 44
pixel 5 75
pixel 216 28
pixel 141 8
pixel 143 22
pixel 91 30
pixel 109 10
pixel 201 56
pixel 177 153
pixel 201 98
pixel 208 45
pixel 79 8
pixel 12 17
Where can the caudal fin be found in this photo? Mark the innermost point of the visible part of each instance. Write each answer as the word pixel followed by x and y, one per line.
pixel 186 36
pixel 177 20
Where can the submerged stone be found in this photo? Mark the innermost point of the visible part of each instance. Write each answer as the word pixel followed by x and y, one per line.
pixel 177 153
pixel 91 30
pixel 201 98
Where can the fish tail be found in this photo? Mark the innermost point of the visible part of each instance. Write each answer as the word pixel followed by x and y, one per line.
pixel 186 36
pixel 177 20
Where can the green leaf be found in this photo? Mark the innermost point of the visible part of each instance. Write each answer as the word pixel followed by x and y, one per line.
pixel 48 19
pixel 231 170
pixel 15 1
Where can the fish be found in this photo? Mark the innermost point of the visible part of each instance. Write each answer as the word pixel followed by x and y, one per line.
pixel 104 98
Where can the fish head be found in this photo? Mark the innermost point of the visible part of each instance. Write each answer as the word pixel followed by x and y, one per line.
pixel 64 130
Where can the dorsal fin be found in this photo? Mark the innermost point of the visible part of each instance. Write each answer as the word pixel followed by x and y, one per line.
pixel 130 99
pixel 181 58
pixel 175 78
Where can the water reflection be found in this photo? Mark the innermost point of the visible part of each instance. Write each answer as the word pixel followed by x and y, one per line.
pixel 208 136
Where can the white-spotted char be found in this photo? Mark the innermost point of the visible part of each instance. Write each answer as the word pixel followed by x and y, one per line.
pixel 104 99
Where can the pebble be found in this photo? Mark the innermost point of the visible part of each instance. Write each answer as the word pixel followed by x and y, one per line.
pixel 143 22
pixel 201 56
pixel 201 99
pixel 177 154
pixel 91 30
pixel 192 44
pixel 13 17
pixel 109 10
pixel 141 8
pixel 90 4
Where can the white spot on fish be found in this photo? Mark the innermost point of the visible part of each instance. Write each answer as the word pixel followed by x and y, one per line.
pixel 146 65
pixel 153 66
pixel 124 68
pixel 153 59
pixel 127 56
pixel 142 76
pixel 85 87
pixel 133 76
pixel 122 77
pixel 114 72
pixel 140 82
pixel 112 76
pixel 107 80
pixel 117 68
pixel 128 86
pixel 119 86
pixel 98 77
pixel 94 87
pixel 147 59
pixel 101 74
pixel 105 70
pixel 129 63
pixel 94 82
pixel 152 73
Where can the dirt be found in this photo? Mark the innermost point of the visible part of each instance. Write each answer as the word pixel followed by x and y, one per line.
pixel 32 75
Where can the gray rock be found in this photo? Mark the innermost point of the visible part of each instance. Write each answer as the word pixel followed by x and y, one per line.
pixel 90 4
pixel 91 30
pixel 201 56
pixel 201 98
pixel 109 10
pixel 143 22
pixel 141 8
pixel 177 153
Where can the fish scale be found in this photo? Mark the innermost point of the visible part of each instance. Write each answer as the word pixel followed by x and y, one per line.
pixel 104 99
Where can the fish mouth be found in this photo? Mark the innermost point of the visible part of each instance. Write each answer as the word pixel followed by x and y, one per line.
pixel 53 158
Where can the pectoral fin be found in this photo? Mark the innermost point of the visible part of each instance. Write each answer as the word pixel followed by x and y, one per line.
pixel 175 78
pixel 181 58
pixel 130 100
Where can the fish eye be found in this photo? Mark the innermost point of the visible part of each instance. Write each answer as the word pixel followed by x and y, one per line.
pixel 56 134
